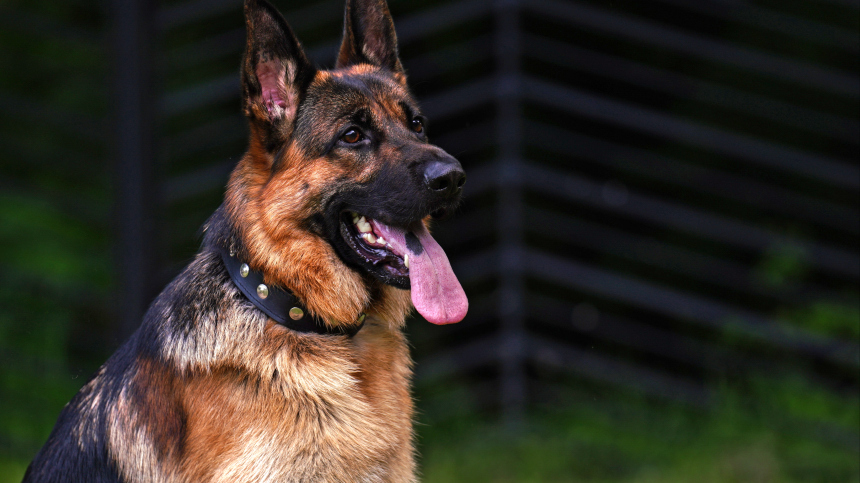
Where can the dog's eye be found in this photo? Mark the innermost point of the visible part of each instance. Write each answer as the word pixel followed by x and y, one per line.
pixel 417 125
pixel 351 137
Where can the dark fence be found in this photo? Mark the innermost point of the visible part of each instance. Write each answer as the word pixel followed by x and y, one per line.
pixel 663 197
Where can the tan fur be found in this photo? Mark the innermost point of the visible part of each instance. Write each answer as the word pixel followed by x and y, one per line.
pixel 341 406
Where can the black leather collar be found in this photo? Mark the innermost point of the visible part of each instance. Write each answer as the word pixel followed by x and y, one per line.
pixel 278 303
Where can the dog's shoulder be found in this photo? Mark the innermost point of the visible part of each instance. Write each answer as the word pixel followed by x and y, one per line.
pixel 129 414
pixel 78 447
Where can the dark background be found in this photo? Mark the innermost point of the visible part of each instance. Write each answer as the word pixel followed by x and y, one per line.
pixel 659 239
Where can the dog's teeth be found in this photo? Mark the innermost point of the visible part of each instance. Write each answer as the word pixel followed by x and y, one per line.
pixel 406 260
pixel 355 217
pixel 363 226
pixel 380 241
pixel 369 238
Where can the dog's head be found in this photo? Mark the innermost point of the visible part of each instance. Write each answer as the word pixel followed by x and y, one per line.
pixel 332 197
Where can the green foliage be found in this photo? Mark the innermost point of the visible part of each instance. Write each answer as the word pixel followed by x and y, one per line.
pixel 773 431
pixel 828 317
pixel 55 260
pixel 782 264
pixel 11 470
pixel 47 260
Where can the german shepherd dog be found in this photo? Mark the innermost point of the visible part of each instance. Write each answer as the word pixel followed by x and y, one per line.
pixel 303 375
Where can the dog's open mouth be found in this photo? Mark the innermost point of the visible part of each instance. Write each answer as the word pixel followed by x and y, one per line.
pixel 408 257
pixel 372 246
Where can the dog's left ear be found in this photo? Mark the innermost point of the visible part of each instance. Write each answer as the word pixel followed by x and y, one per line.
pixel 369 37
pixel 274 68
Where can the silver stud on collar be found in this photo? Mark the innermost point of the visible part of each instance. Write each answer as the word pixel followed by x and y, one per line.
pixel 244 270
pixel 296 313
pixel 262 290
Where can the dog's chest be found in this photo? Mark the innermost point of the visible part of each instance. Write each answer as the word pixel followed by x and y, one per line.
pixel 346 417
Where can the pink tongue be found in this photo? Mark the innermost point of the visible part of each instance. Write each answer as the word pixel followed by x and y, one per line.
pixel 436 292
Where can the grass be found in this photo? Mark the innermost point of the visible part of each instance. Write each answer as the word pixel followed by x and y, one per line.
pixel 623 439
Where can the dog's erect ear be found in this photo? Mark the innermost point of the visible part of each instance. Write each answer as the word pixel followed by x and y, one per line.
pixel 368 36
pixel 274 67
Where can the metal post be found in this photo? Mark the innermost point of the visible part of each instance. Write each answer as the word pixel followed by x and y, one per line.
pixel 133 30
pixel 511 290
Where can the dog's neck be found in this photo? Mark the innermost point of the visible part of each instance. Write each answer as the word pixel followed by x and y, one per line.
pixel 279 303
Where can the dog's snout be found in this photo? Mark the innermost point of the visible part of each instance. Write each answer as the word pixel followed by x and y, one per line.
pixel 445 177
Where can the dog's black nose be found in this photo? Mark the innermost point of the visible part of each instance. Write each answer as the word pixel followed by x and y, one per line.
pixel 445 176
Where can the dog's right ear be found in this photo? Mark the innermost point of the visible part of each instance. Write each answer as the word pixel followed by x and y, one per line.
pixel 369 36
pixel 274 68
